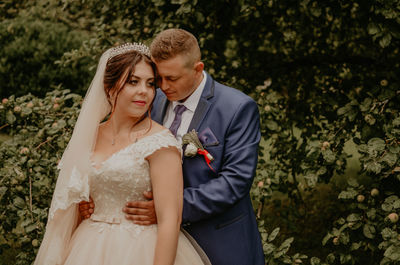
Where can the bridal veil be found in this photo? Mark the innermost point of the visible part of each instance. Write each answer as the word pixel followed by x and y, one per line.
pixel 72 184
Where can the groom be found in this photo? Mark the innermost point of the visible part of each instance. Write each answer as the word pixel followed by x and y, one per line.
pixel 217 209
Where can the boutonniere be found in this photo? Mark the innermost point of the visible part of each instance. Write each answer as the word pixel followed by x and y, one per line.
pixel 194 146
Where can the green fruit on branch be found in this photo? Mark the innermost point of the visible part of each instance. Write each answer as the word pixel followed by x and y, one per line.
pixel 374 192
pixel 360 198
pixel 335 241
pixel 393 217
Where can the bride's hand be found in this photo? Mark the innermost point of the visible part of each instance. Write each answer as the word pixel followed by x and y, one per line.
pixel 141 212
pixel 86 208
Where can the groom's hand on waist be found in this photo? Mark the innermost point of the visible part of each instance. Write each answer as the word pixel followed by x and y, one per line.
pixel 86 208
pixel 141 212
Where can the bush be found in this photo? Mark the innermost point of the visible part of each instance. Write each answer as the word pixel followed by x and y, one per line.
pixel 40 130
pixel 30 51
pixel 367 231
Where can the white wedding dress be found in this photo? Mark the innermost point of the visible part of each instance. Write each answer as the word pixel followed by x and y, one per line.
pixel 108 237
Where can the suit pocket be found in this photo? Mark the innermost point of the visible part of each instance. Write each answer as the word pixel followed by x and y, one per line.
pixel 232 221
pixel 207 138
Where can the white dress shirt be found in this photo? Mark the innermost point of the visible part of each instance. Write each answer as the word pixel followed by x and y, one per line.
pixel 191 104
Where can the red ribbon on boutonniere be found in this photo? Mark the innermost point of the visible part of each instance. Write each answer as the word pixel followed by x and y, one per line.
pixel 194 146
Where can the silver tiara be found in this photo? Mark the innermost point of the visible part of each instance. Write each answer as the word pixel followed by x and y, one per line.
pixel 127 47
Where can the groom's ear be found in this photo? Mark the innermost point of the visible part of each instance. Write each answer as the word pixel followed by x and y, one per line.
pixel 199 66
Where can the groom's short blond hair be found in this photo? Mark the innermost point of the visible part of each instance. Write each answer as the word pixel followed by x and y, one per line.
pixel 172 42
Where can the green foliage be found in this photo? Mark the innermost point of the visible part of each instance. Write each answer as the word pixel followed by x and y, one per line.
pixel 278 254
pixel 243 41
pixel 40 130
pixel 29 51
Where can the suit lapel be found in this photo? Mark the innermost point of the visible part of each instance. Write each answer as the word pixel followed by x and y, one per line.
pixel 204 104
pixel 161 109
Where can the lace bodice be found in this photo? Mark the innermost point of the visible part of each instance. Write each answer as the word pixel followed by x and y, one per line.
pixel 124 176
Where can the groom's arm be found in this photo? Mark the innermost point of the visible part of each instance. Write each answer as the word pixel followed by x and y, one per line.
pixel 237 170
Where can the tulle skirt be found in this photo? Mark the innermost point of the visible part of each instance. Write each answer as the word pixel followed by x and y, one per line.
pixel 99 243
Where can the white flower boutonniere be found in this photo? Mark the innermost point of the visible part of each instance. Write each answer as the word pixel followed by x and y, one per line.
pixel 194 146
pixel 191 150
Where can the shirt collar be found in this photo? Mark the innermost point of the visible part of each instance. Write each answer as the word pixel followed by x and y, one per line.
pixel 192 101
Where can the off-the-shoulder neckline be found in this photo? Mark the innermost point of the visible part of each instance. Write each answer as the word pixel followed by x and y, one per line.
pixel 100 164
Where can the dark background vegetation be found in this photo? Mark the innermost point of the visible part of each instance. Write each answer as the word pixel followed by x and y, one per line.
pixel 325 75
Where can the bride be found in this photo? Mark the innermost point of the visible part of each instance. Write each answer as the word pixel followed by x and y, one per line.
pixel 113 162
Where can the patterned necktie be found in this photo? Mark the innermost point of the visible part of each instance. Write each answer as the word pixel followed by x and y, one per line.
pixel 179 109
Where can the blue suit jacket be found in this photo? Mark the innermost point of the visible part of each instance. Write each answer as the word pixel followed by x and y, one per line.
pixel 217 209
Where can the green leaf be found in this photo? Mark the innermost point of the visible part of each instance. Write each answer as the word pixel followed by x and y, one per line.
pixel 390 159
pixel 3 191
pixel 326 238
pixel 341 221
pixel 353 182
pixel 377 143
pixel 371 213
pixel 373 29
pixel 26 222
pixel 30 228
pixel 321 171
pixel 286 244
pixel 385 41
pixel 343 110
pixel 200 17
pixel 61 123
pixel 158 2
pixel 391 203
pixel 396 204
pixel 18 229
pixel 26 111
pixel 330 258
pixel 184 9
pixel 396 121
pixel 329 156
pixel 393 253
pixel 315 261
pixel 369 231
pixel 389 13
pixel 348 194
pixel 395 149
pixel 3 241
pixel 19 202
pixel 283 248
pixel 272 125
pixel 363 148
pixel 345 259
pixel 268 248
pixel 355 246
pixel 10 117
pixel 311 179
pixel 344 238
pixel 354 217
pixel 316 12
pixel 273 234
pixel 373 166
pixel 388 233
pixel 370 119
pixel 366 104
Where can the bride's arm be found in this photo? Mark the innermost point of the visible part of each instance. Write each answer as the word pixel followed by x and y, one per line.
pixel 167 183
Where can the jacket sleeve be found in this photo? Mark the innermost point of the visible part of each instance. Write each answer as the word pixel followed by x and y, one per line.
pixel 237 170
